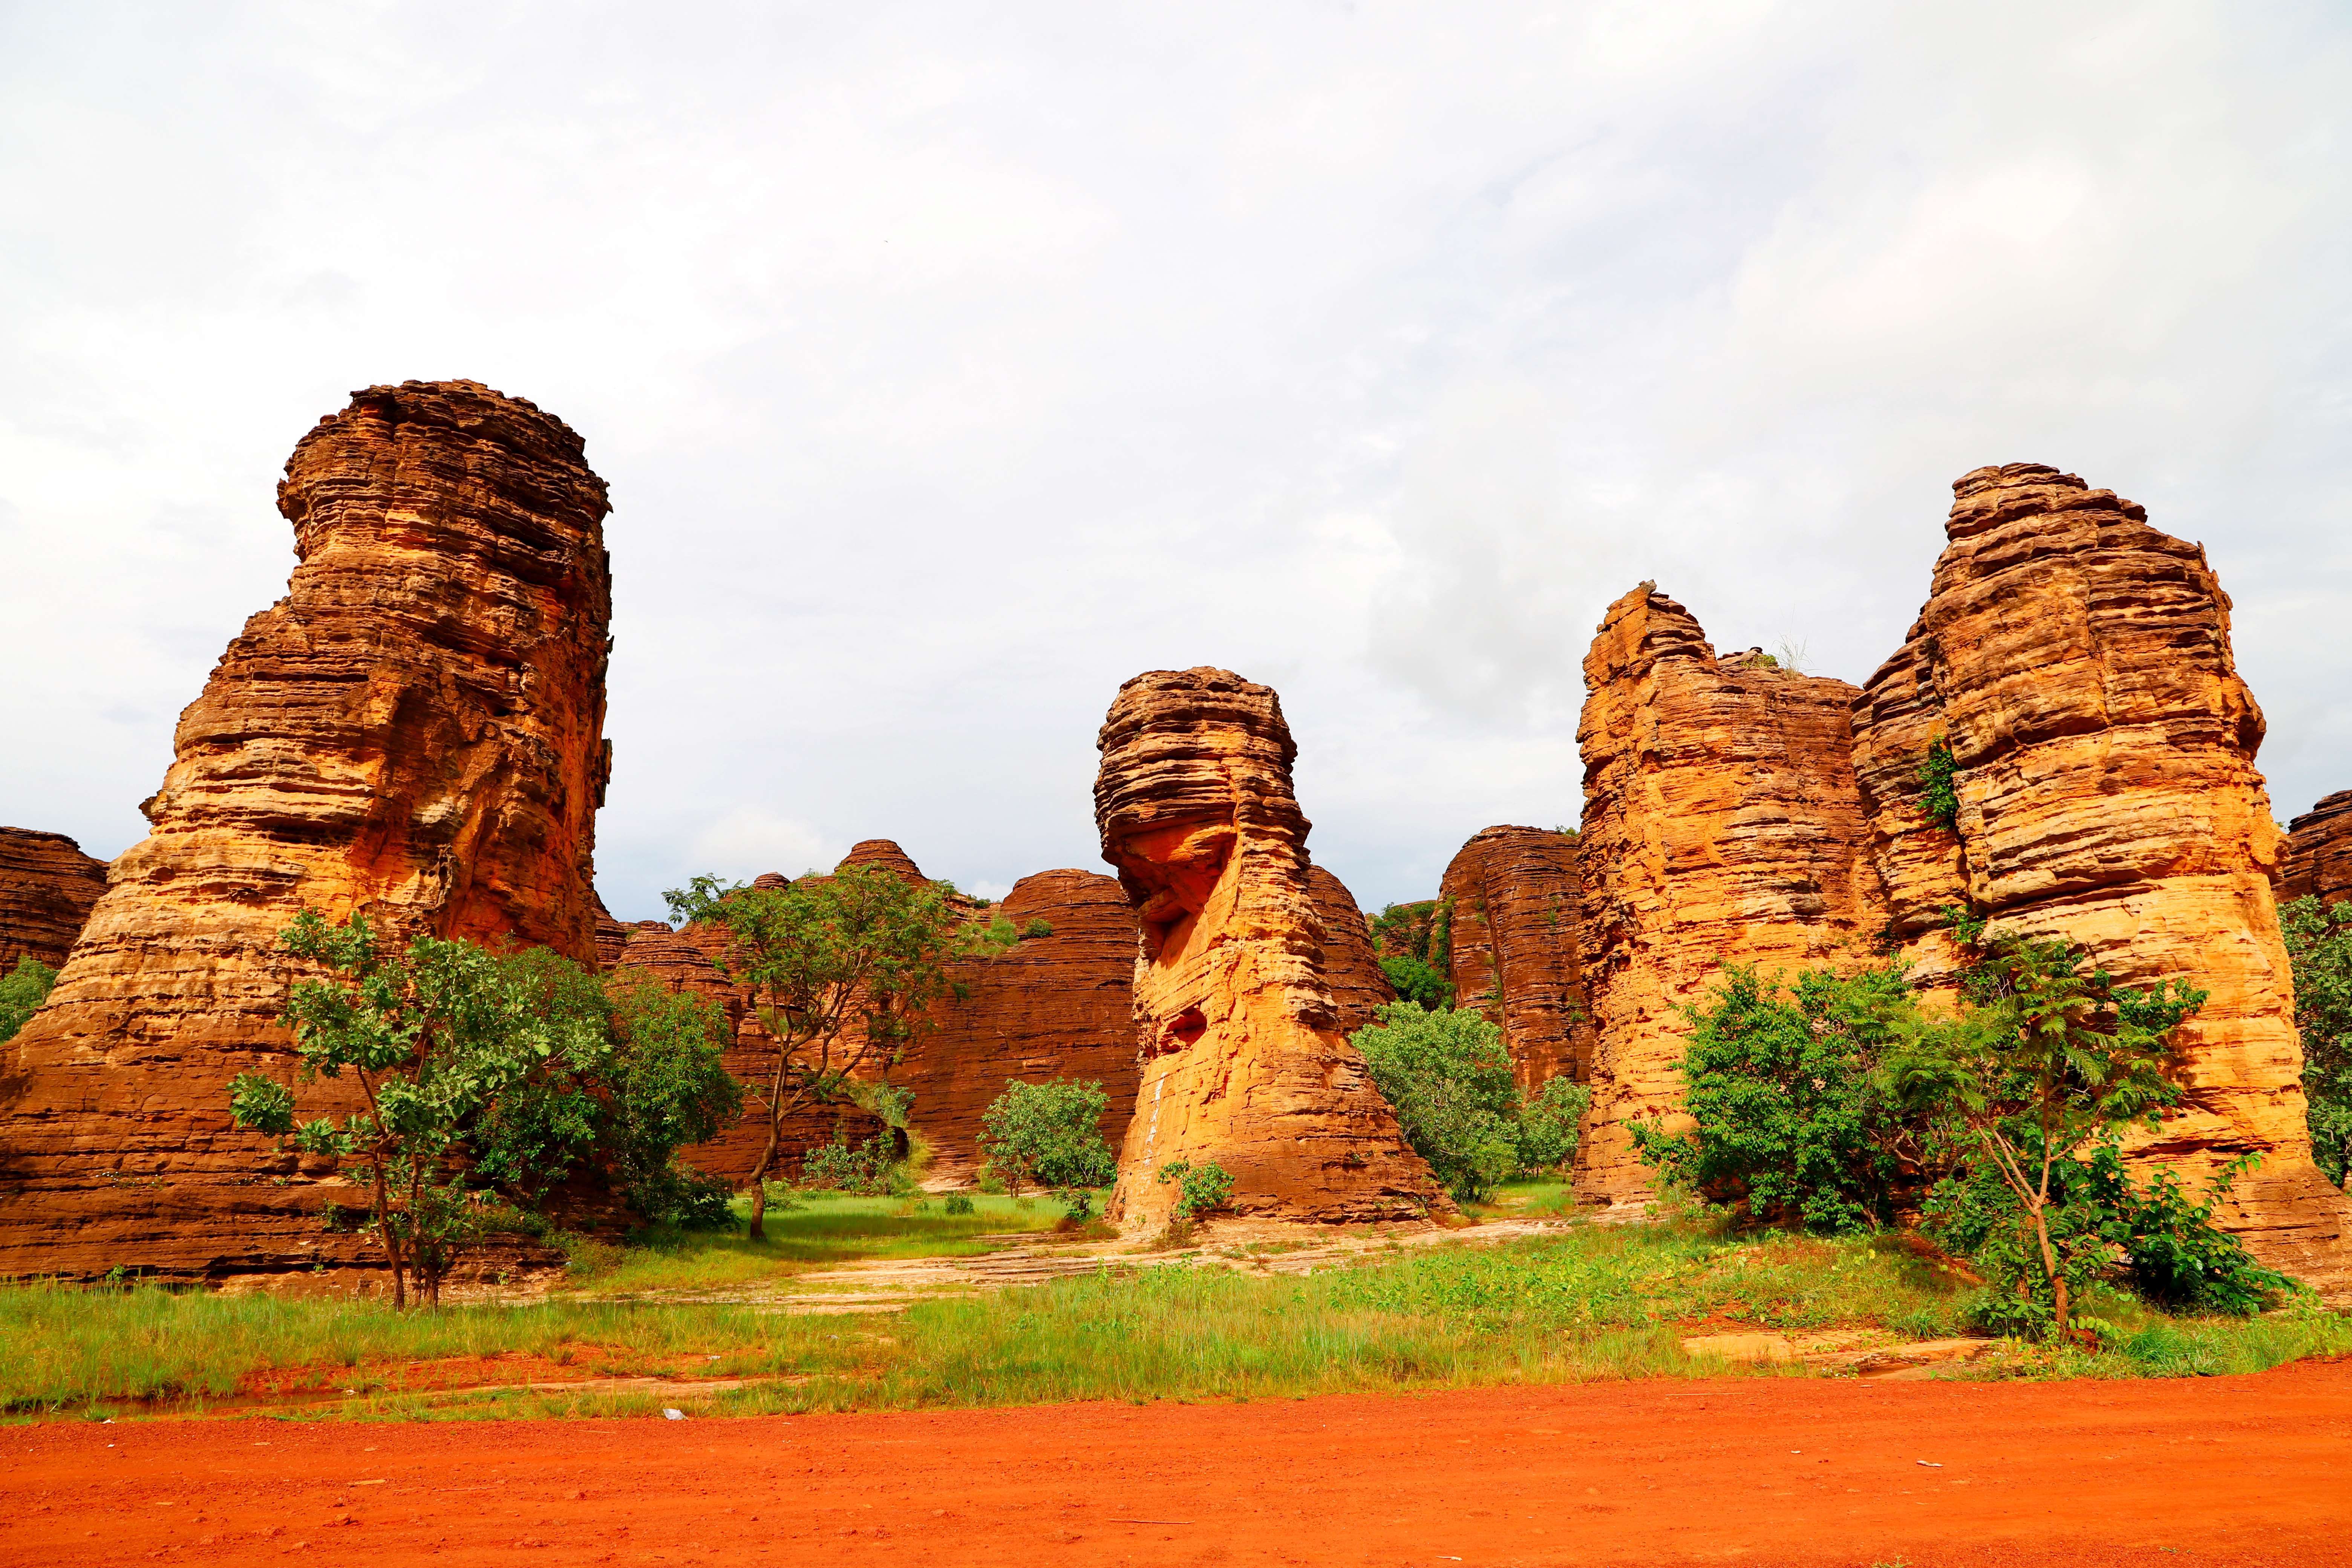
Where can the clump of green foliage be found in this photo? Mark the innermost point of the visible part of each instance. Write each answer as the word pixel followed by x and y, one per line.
pixel 1939 797
pixel 1824 1100
pixel 1414 981
pixel 958 1204
pixel 1457 1101
pixel 843 970
pixel 1784 1114
pixel 22 991
pixel 1050 1135
pixel 1200 1189
pixel 2319 946
pixel 872 1169
pixel 1414 945
pixel 1038 927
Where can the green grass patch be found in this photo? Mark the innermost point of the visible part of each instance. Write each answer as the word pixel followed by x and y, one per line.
pixel 825 1229
pixel 1592 1302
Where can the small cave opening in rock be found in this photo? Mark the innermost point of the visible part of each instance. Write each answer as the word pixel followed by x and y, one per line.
pixel 1183 1030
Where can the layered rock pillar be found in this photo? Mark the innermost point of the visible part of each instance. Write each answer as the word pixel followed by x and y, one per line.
pixel 47 887
pixel 1722 826
pixel 1244 1063
pixel 1359 986
pixel 1518 918
pixel 415 730
pixel 2317 860
pixel 2074 663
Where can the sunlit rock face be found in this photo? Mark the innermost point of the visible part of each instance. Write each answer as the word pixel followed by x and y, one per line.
pixel 1243 1061
pixel 2075 661
pixel 2317 860
pixel 1359 987
pixel 1516 899
pixel 1722 825
pixel 416 730
pixel 47 887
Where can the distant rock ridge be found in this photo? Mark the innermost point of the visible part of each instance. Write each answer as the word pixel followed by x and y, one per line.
pixel 415 730
pixel 1517 948
pixel 1245 1064
pixel 2317 862
pixel 47 887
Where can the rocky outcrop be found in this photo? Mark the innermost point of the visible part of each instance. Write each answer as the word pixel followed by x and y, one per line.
pixel 1245 1065
pixel 1360 988
pixel 1517 916
pixel 48 887
pixel 2317 862
pixel 416 730
pixel 2075 664
pixel 609 936
pixel 1722 825
pixel 1056 1005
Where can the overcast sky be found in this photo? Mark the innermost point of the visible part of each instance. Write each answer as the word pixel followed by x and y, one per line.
pixel 950 363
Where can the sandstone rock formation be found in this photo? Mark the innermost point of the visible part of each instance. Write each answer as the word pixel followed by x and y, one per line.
pixel 1721 825
pixel 1352 970
pixel 2318 859
pixel 2076 663
pixel 48 887
pixel 609 936
pixel 1518 915
pixel 1243 1062
pixel 415 729
pixel 1053 1005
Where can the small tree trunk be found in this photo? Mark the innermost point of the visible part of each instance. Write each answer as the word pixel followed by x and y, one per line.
pixel 758 1231
pixel 2049 1265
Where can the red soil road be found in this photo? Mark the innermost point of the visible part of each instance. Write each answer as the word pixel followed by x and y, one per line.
pixel 2237 1470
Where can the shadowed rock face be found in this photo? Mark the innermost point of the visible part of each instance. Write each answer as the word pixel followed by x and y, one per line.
pixel 48 887
pixel 1721 825
pixel 1056 1005
pixel 1243 1061
pixel 1518 915
pixel 1360 988
pixel 414 729
pixel 2318 859
pixel 2076 662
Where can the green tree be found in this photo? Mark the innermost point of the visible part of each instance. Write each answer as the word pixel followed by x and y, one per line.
pixel 1548 1120
pixel 1414 981
pixel 1450 1082
pixel 843 969
pixel 1200 1189
pixel 1785 1119
pixel 2050 1057
pixel 1049 1134
pixel 2319 945
pixel 22 991
pixel 433 1035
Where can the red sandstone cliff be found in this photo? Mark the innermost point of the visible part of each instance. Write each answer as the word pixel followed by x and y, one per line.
pixel 48 887
pixel 1245 1064
pixel 414 729
pixel 2076 662
pixel 1056 1005
pixel 1517 958
pixel 2317 860
pixel 1721 825
pixel 1359 987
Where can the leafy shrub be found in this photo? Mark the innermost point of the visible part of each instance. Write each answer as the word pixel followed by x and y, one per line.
pixel 1038 927
pixel 1414 980
pixel 2319 945
pixel 22 991
pixel 1402 929
pixel 871 1169
pixel 1785 1121
pixel 957 1202
pixel 1940 797
pixel 1547 1125
pixel 1048 1135
pixel 1451 1084
pixel 1200 1189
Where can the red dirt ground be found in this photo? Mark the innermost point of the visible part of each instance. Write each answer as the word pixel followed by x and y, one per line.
pixel 1762 1471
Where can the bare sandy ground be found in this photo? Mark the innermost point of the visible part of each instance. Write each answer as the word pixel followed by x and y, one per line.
pixel 1763 1471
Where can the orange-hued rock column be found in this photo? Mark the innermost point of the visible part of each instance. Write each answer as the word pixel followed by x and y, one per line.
pixel 1721 825
pixel 2317 862
pixel 2076 663
pixel 47 887
pixel 416 730
pixel 1244 1063
pixel 1518 917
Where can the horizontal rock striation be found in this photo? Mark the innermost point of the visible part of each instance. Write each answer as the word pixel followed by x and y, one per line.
pixel 2075 663
pixel 1518 956
pixel 1056 1005
pixel 47 887
pixel 1722 826
pixel 1359 987
pixel 416 730
pixel 2317 862
pixel 1245 1065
